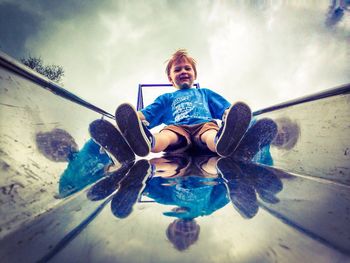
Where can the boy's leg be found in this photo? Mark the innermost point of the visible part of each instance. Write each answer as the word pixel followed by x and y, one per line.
pixel 204 136
pixel 163 140
pixel 173 139
pixel 139 137
pixel 208 138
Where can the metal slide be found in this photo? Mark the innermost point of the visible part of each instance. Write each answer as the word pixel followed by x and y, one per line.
pixel 63 200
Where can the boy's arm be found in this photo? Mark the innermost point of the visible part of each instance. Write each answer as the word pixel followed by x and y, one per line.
pixel 218 105
pixel 152 115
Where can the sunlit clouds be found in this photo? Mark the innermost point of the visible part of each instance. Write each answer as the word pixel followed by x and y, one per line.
pixel 263 53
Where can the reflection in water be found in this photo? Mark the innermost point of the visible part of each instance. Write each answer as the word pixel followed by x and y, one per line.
pixel 130 189
pixel 196 186
pixel 336 12
pixel 56 145
pixel 111 140
pixel 198 191
pixel 84 167
pixel 255 144
pixel 245 180
pixel 288 133
pixel 109 184
pixel 182 233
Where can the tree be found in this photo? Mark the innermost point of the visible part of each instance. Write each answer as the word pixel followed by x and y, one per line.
pixel 52 72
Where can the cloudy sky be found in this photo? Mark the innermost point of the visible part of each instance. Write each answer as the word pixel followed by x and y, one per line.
pixel 262 53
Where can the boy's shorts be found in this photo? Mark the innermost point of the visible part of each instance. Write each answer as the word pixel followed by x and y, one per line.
pixel 189 136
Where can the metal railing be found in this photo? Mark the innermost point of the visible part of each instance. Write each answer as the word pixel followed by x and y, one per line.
pixel 22 70
pixel 17 67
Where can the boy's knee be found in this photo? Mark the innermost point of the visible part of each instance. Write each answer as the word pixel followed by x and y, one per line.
pixel 208 135
pixel 170 136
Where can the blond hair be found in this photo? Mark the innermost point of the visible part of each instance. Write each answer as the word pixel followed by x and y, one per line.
pixel 178 55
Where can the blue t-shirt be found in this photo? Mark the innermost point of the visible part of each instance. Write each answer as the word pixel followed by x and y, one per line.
pixel 197 196
pixel 185 107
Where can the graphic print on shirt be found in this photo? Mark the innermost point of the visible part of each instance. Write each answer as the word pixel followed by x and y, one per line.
pixel 182 107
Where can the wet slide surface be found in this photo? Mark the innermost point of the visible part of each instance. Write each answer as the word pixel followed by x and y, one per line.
pixel 63 200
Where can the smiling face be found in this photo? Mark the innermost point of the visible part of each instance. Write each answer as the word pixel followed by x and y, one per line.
pixel 182 74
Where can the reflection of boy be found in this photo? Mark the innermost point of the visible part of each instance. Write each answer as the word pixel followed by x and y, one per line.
pixel 84 168
pixel 190 185
pixel 189 114
pixel 195 191
pixel 182 233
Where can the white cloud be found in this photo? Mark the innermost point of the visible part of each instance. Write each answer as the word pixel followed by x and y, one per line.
pixel 263 55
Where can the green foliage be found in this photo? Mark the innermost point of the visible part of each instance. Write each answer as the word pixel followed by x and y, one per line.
pixel 52 72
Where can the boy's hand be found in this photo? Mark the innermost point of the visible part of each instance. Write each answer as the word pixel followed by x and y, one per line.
pixel 142 118
pixel 146 123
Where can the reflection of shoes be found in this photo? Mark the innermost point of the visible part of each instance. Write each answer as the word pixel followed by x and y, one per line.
pixel 264 179
pixel 137 135
pixel 233 128
pixel 334 17
pixel 257 137
pixel 130 189
pixel 105 134
pixel 268 197
pixel 288 133
pixel 241 193
pixel 108 185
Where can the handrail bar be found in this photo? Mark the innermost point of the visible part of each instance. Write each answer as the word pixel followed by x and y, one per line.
pixel 17 67
pixel 343 89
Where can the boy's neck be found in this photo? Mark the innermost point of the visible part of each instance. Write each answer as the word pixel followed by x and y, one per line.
pixel 184 86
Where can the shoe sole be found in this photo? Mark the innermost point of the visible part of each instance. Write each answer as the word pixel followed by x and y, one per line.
pixel 258 136
pixel 131 188
pixel 241 194
pixel 109 184
pixel 131 128
pixel 108 137
pixel 236 124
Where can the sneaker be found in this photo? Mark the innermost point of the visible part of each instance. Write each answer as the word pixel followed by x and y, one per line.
pixel 109 184
pixel 257 137
pixel 240 191
pixel 136 134
pixel 110 139
pixel 130 189
pixel 265 180
pixel 233 128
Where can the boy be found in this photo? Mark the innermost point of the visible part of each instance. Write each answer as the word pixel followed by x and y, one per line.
pixel 189 114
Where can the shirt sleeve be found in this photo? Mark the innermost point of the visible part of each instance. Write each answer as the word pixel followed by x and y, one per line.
pixel 154 112
pixel 217 104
